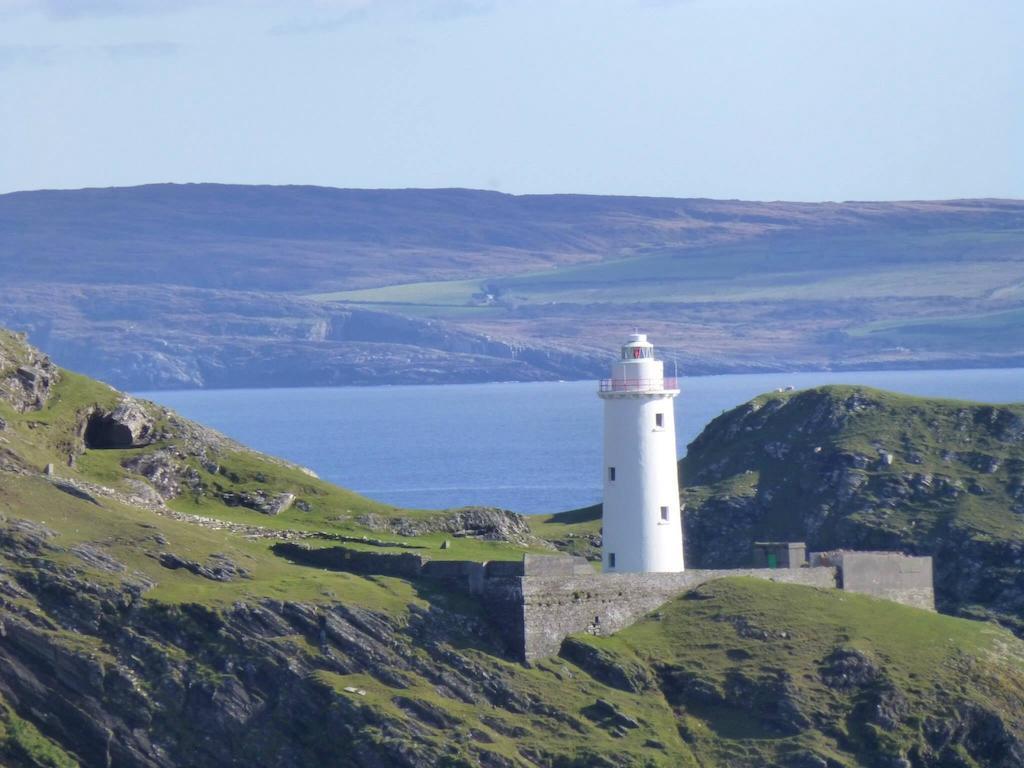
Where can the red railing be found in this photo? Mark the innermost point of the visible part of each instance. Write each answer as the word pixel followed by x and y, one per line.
pixel 637 385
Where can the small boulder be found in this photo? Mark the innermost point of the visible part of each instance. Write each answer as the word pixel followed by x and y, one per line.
pixel 161 469
pixel 611 715
pixel 218 567
pixel 259 501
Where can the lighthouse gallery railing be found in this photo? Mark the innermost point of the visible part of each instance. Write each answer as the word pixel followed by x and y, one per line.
pixel 636 385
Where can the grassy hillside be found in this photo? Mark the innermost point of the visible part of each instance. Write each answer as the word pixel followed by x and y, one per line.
pixel 147 627
pixel 230 286
pixel 189 470
pixel 758 674
pixel 861 468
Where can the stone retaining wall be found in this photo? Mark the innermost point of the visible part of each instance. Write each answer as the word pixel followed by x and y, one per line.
pixel 534 603
pixel 555 607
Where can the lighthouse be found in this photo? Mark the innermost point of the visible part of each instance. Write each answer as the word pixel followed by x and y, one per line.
pixel 642 522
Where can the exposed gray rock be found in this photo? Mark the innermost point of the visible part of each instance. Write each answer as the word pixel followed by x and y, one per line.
pixel 27 377
pixel 97 558
pixel 217 568
pixel 848 668
pixel 487 523
pixel 162 469
pixel 127 426
pixel 425 712
pixel 21 536
pixel 602 709
pixel 260 501
pixel 772 698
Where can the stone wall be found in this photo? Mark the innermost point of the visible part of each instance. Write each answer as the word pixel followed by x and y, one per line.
pixel 534 603
pixel 402 564
pixel 554 607
pixel 888 575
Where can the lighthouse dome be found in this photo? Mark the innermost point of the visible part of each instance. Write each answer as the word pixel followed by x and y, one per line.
pixel 637 348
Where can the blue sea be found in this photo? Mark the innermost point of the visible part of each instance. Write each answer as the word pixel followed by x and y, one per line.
pixel 532 448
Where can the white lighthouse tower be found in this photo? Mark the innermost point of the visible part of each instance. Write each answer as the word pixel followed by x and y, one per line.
pixel 642 526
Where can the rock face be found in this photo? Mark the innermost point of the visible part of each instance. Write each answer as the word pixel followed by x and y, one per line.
pixel 127 426
pixel 854 468
pixel 261 501
pixel 27 377
pixel 218 568
pixel 162 469
pixel 488 523
pixel 252 679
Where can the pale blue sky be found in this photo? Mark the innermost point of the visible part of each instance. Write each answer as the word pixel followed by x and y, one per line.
pixel 756 99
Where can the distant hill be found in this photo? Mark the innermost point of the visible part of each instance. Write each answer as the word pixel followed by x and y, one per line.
pixel 220 285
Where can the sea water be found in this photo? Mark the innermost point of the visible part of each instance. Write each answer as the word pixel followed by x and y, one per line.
pixel 532 448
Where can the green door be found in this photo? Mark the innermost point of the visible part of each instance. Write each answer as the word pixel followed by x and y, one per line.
pixel 773 560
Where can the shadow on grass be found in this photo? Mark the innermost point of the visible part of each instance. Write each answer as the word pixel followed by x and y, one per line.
pixel 575 516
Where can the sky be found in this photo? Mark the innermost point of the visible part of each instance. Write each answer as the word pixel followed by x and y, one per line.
pixel 753 99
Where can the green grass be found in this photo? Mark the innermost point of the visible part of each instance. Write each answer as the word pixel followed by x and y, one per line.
pixel 929 426
pixel 51 435
pixel 571 531
pixel 927 657
pixel 130 535
pixel 951 489
pixel 985 331
pixel 446 293
pixel 23 746
pixel 935 662
pixel 547 683
pixel 912 265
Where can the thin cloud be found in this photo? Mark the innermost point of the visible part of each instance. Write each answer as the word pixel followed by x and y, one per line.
pixel 141 50
pixel 311 15
pixel 321 23
pixel 27 55
pixel 48 55
pixel 326 16
pixel 76 9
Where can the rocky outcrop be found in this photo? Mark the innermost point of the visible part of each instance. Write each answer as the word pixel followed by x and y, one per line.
pixel 163 469
pixel 219 567
pixel 192 685
pixel 128 425
pixel 261 501
pixel 27 377
pixel 854 468
pixel 488 523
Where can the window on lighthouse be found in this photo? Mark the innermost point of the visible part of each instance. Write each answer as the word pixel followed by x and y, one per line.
pixel 659 420
pixel 611 474
pixel 664 514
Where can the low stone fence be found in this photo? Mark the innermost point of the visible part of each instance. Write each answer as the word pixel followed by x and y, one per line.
pixel 536 602
pixel 555 607
pixel 405 565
